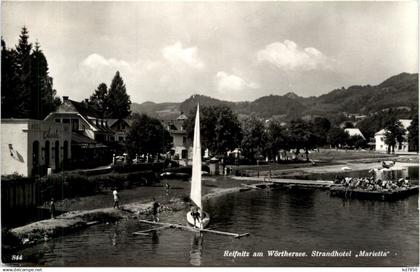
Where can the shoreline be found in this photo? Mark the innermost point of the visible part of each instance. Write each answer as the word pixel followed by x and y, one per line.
pixel 80 217
pixel 68 222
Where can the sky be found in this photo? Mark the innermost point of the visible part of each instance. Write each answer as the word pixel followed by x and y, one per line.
pixel 237 51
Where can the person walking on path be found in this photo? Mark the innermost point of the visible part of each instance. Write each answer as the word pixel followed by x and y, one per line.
pixel 167 188
pixel 52 208
pixel 156 206
pixel 116 198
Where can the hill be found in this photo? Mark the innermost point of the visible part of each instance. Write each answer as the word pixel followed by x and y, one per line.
pixel 164 111
pixel 399 91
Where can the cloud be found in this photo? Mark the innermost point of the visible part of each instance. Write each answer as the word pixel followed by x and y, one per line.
pixel 146 79
pixel 288 56
pixel 175 54
pixel 229 82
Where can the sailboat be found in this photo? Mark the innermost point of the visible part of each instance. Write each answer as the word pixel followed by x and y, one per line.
pixel 195 194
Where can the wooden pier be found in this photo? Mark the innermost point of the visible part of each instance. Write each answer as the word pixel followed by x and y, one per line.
pixel 188 228
pixel 265 182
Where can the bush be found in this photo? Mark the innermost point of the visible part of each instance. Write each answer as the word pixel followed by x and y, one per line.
pixel 62 186
pixel 69 185
pixel 156 167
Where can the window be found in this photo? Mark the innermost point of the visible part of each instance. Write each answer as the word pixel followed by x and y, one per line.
pixel 184 140
pixel 121 138
pixel 57 120
pixel 66 121
pixel 184 154
pixel 75 124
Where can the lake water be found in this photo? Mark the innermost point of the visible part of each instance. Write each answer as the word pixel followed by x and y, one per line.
pixel 298 220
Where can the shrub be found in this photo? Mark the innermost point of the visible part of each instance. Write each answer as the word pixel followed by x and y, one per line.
pixel 156 167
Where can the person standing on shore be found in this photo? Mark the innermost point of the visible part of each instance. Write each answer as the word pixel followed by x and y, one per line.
pixel 156 206
pixel 167 188
pixel 52 208
pixel 116 198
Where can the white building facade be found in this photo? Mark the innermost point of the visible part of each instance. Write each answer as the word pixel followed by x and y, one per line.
pixel 399 147
pixel 30 147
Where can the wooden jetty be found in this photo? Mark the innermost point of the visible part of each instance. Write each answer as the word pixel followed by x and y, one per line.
pixel 188 228
pixel 280 182
pixel 341 191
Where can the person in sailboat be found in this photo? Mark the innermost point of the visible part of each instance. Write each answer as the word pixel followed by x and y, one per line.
pixel 195 214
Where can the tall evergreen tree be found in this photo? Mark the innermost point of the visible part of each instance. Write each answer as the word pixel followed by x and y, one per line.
pixel 23 59
pixel 42 92
pixel 99 99
pixel 12 101
pixel 118 101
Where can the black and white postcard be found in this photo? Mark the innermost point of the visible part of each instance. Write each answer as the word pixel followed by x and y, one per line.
pixel 209 134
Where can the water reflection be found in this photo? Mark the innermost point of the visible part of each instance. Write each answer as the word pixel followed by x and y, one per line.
pixel 114 235
pixel 196 249
pixel 155 237
pixel 279 219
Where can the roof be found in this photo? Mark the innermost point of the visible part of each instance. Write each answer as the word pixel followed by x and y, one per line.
pixel 381 132
pixel 182 117
pixel 84 108
pixel 129 121
pixel 405 122
pixel 354 132
pixel 111 122
pixel 81 139
pixel 87 111
pixel 183 132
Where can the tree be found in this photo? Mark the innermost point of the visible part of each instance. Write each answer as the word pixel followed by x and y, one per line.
pixel 356 141
pixel 27 89
pixel 43 99
pixel 348 124
pixel 254 137
pixel 337 137
pixel 413 134
pixel 302 136
pixel 321 126
pixel 23 61
pixel 118 101
pixel 99 99
pixel 219 128
pixel 12 100
pixel 147 135
pixel 394 133
pixel 276 138
pixel 374 123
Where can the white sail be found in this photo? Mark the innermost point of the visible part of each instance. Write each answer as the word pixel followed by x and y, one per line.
pixel 196 165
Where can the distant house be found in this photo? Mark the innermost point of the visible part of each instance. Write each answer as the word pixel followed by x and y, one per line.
pixel 400 147
pixel 354 132
pixel 120 127
pixel 92 138
pixel 180 142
